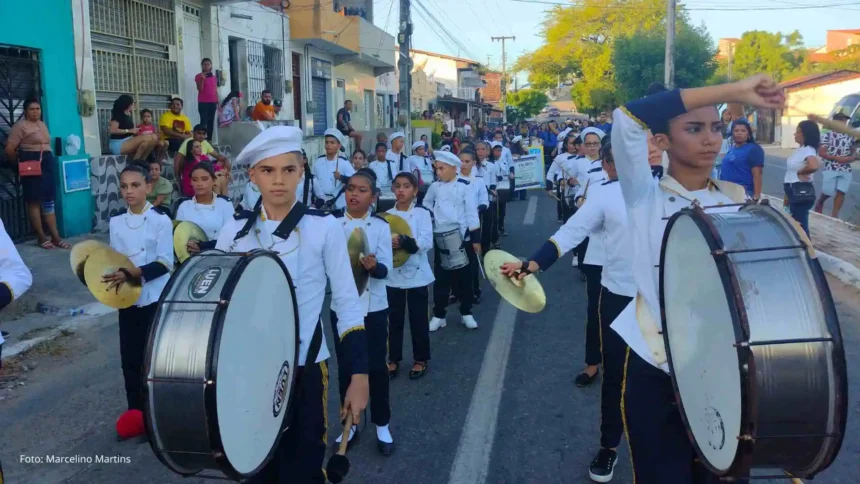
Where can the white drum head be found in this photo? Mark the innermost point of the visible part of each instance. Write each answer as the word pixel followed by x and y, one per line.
pixel 701 336
pixel 256 361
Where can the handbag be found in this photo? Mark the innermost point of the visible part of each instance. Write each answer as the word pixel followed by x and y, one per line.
pixel 30 167
pixel 800 192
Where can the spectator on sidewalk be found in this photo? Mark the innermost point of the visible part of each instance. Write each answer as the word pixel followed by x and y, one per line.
pixel 175 126
pixel 161 194
pixel 15 277
pixel 123 139
pixel 264 110
pixel 799 168
pixel 744 162
pixel 207 95
pixel 837 150
pixel 180 171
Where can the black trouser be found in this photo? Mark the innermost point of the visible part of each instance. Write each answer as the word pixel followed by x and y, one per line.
pixel 613 350
pixel 459 282
pixel 207 113
pixel 580 252
pixel 376 326
pixel 476 274
pixel 134 324
pixel 299 457
pixel 660 447
pixel 416 298
pixel 592 323
pixel 488 225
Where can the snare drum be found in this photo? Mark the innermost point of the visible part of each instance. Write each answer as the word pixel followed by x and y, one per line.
pixel 449 241
pixel 220 364
pixel 753 342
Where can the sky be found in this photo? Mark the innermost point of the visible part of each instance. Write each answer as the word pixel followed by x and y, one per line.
pixel 473 22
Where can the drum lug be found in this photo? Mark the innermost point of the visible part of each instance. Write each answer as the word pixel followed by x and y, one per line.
pixel 746 438
pixel 719 253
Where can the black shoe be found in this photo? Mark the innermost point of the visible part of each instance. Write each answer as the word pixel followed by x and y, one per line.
pixel 583 380
pixel 603 466
pixel 414 375
pixel 385 448
pixel 392 374
pixel 476 299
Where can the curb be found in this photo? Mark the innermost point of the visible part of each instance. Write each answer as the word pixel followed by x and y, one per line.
pixel 84 317
pixel 842 270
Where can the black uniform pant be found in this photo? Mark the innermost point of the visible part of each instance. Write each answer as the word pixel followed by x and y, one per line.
pixel 488 225
pixel 459 282
pixel 613 349
pixel 580 252
pixel 592 323
pixel 376 326
pixel 207 113
pixel 416 298
pixel 134 324
pixel 299 457
pixel 659 444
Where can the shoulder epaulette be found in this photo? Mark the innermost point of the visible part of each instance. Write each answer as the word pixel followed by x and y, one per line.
pixel 572 156
pixel 463 181
pixel 320 213
pixel 225 197
pixel 425 208
pixel 121 211
pixel 162 210
pixel 343 157
pixel 243 215
pixel 607 182
pixel 182 200
pixel 320 156
pixel 380 217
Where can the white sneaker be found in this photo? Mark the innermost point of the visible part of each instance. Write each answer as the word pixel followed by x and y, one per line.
pixel 470 322
pixel 352 431
pixel 437 323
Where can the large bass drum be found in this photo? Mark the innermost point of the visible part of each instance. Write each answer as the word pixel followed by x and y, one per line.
pixel 752 341
pixel 220 364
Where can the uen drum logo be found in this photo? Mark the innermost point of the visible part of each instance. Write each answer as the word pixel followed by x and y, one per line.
pixel 281 389
pixel 203 282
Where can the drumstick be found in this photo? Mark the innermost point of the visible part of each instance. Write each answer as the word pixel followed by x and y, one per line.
pixel 837 126
pixel 481 266
pixel 338 464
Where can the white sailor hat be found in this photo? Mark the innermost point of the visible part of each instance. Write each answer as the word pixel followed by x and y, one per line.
pixel 445 148
pixel 334 133
pixel 417 144
pixel 564 133
pixel 274 141
pixel 517 139
pixel 395 135
pixel 496 144
pixel 448 158
pixel 592 130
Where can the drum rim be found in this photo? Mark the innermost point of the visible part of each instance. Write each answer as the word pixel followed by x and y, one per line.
pixel 743 455
pixel 210 407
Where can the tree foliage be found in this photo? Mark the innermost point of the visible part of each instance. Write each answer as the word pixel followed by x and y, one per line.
pixel 780 55
pixel 527 102
pixel 639 60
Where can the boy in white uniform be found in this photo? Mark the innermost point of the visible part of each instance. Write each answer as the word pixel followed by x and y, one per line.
pixel 330 173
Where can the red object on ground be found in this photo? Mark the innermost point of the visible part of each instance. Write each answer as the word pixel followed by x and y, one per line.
pixel 130 424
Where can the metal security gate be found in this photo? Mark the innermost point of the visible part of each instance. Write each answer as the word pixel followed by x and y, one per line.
pixel 265 70
pixel 19 80
pixel 319 90
pixel 134 52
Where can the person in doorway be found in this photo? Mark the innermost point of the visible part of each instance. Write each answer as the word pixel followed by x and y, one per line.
pixel 207 96
pixel 344 124
pixel 29 143
pixel 838 151
pixel 264 110
pixel 230 109
pixel 175 126
pixel 278 106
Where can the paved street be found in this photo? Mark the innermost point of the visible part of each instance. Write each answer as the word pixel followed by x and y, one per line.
pixel 498 404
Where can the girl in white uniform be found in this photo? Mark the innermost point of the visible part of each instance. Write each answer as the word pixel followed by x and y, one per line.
pixel 487 171
pixel 209 211
pixel 422 167
pixel 409 284
pixel 145 235
pixel 360 192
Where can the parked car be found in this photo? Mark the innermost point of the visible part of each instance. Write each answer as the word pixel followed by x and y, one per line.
pixel 553 112
pixel 849 106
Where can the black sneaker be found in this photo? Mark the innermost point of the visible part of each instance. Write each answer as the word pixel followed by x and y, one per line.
pixel 603 466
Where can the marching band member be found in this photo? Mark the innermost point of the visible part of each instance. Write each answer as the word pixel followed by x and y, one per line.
pixel 144 234
pixel 452 202
pixel 422 167
pixel 395 154
pixel 685 124
pixel 360 192
pixel 603 212
pixel 383 167
pixel 503 169
pixel 487 171
pixel 311 245
pixel 409 284
pixel 209 211
pixel 468 159
pixel 563 169
pixel 330 172
pixel 15 277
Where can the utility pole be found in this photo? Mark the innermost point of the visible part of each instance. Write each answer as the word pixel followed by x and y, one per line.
pixel 488 61
pixel 404 63
pixel 670 44
pixel 504 76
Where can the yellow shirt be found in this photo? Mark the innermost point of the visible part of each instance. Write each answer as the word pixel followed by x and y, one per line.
pixel 207 148
pixel 179 123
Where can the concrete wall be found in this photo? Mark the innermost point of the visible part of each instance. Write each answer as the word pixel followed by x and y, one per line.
pixel 359 80
pixel 437 69
pixel 84 69
pixel 817 100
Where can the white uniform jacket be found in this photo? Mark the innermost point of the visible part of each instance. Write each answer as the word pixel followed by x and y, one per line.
pixel 416 272
pixel 15 277
pixel 375 298
pixel 325 185
pixel 453 203
pixel 147 240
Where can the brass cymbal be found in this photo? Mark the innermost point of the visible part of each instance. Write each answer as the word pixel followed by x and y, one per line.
pixel 358 247
pixel 526 295
pixel 182 234
pixel 107 261
pixel 398 226
pixel 80 253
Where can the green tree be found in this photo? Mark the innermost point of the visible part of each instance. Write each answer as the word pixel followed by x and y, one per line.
pixel 527 102
pixel 774 53
pixel 639 60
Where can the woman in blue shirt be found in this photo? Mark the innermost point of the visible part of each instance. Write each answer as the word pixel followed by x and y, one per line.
pixel 744 162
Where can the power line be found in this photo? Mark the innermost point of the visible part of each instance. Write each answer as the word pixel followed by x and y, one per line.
pixel 694 9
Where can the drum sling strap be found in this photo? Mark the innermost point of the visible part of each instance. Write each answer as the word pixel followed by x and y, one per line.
pixel 308 180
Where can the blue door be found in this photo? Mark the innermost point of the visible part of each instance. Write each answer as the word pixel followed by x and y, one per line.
pixel 319 90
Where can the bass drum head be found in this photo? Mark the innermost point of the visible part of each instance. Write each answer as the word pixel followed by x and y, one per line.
pixel 700 335
pixel 256 364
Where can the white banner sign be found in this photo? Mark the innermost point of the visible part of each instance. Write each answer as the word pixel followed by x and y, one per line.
pixel 529 170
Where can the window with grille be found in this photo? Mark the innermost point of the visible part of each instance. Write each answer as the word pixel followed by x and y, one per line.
pixel 265 70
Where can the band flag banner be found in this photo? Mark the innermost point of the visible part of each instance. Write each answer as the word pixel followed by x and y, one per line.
pixel 529 170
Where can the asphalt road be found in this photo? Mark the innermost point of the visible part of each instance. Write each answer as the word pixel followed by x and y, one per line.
pixel 774 174
pixel 498 404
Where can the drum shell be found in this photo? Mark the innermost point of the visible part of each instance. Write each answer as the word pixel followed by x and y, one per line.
pixel 448 238
pixel 180 405
pixel 777 294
